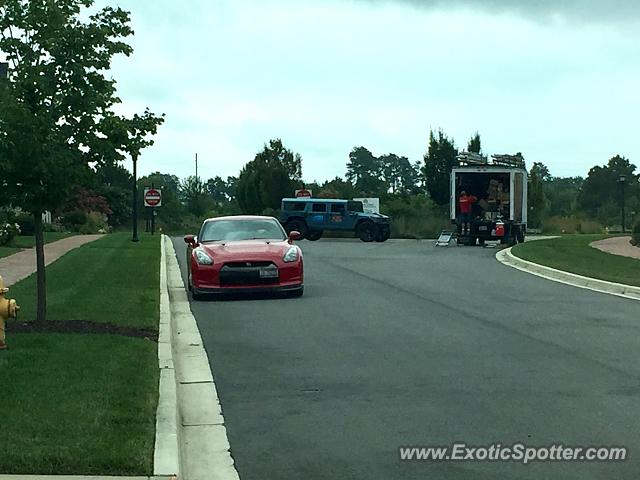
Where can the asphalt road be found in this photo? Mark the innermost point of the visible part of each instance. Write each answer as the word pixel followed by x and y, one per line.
pixel 402 343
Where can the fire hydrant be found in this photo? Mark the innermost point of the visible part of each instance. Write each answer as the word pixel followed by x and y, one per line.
pixel 8 309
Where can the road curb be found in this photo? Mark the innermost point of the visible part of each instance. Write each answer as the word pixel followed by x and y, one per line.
pixel 205 453
pixel 621 290
pixel 166 454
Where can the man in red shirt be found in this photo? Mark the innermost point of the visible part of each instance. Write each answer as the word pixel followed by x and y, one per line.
pixel 465 202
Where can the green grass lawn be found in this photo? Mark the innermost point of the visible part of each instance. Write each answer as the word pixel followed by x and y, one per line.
pixel 110 280
pixel 77 403
pixel 23 241
pixel 572 253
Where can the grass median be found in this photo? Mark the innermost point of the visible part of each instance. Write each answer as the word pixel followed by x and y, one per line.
pixel 572 253
pixel 85 404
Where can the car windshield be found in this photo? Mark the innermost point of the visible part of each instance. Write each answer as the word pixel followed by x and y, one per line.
pixel 245 229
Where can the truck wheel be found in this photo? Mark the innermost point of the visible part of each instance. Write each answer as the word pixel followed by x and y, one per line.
pixel 299 226
pixel 367 231
pixel 383 234
pixel 314 235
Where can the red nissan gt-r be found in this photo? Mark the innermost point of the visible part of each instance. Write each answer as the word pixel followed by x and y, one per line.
pixel 244 254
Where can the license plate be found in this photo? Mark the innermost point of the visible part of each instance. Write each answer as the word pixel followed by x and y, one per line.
pixel 482 228
pixel 268 273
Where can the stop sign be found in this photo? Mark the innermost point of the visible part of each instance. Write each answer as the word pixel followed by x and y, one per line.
pixel 152 197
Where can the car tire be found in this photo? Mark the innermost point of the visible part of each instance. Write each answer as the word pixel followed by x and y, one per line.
pixel 383 234
pixel 297 293
pixel 298 225
pixel 367 231
pixel 520 236
pixel 314 235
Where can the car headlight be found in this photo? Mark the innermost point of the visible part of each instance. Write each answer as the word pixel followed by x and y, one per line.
pixel 202 258
pixel 291 255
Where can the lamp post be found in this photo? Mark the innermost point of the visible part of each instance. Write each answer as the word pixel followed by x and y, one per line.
pixel 134 157
pixel 622 179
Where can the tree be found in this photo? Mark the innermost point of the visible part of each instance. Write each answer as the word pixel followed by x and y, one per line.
pixel 56 108
pixel 438 162
pixel 337 188
pixel 365 171
pixel 601 193
pixel 273 174
pixel 399 175
pixel 194 196
pixel 474 144
pixel 537 201
pixel 562 194
pixel 113 182
pixel 220 190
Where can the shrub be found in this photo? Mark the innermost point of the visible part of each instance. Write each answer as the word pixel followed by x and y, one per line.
pixel 635 235
pixel 95 223
pixel 27 224
pixel 559 225
pixel 8 232
pixel 74 219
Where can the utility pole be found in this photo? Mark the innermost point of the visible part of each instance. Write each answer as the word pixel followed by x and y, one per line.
pixel 622 180
pixel 196 167
pixel 135 197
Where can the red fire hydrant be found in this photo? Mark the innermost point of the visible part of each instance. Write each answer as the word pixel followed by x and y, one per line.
pixel 8 309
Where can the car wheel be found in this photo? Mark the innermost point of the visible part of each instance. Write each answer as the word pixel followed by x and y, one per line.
pixel 367 231
pixel 314 235
pixel 520 236
pixel 299 226
pixel 297 293
pixel 383 234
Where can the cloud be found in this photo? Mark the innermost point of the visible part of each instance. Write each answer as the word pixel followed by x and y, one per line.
pixel 597 11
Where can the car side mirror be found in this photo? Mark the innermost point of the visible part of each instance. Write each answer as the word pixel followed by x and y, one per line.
pixel 294 235
pixel 190 240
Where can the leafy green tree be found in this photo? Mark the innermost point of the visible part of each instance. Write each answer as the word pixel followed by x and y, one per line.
pixel 195 197
pixel 273 174
pixel 56 108
pixel 562 194
pixel 337 188
pixel 474 144
pixel 601 195
pixel 537 200
pixel 113 182
pixel 438 162
pixel 220 190
pixel 399 174
pixel 365 171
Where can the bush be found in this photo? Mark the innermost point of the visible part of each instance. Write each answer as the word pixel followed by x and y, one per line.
pixel 74 220
pixel 8 232
pixel 27 224
pixel 415 216
pixel 559 225
pixel 95 223
pixel 635 235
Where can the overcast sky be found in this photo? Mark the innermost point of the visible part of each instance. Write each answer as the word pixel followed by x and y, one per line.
pixel 559 84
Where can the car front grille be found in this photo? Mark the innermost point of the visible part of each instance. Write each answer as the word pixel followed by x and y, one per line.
pixel 248 273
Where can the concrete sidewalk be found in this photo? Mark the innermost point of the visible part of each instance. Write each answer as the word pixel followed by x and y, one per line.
pixel 22 264
pixel 617 246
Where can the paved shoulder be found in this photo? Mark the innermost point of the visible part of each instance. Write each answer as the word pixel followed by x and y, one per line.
pixel 22 264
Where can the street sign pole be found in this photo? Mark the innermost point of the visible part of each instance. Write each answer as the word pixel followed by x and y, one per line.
pixel 135 198
pixel 153 215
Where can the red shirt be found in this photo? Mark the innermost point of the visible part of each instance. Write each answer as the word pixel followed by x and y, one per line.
pixel 465 203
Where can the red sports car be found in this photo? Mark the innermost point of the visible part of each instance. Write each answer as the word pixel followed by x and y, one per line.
pixel 244 254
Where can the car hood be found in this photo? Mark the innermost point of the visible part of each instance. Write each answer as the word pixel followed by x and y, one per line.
pixel 246 250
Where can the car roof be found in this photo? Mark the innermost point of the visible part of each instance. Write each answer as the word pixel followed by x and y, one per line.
pixel 315 200
pixel 241 217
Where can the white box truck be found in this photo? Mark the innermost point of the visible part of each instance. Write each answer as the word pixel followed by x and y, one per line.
pixel 499 211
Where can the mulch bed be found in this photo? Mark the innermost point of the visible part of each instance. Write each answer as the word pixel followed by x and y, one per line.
pixel 80 326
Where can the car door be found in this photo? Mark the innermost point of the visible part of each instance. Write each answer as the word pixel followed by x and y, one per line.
pixel 317 216
pixel 338 218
